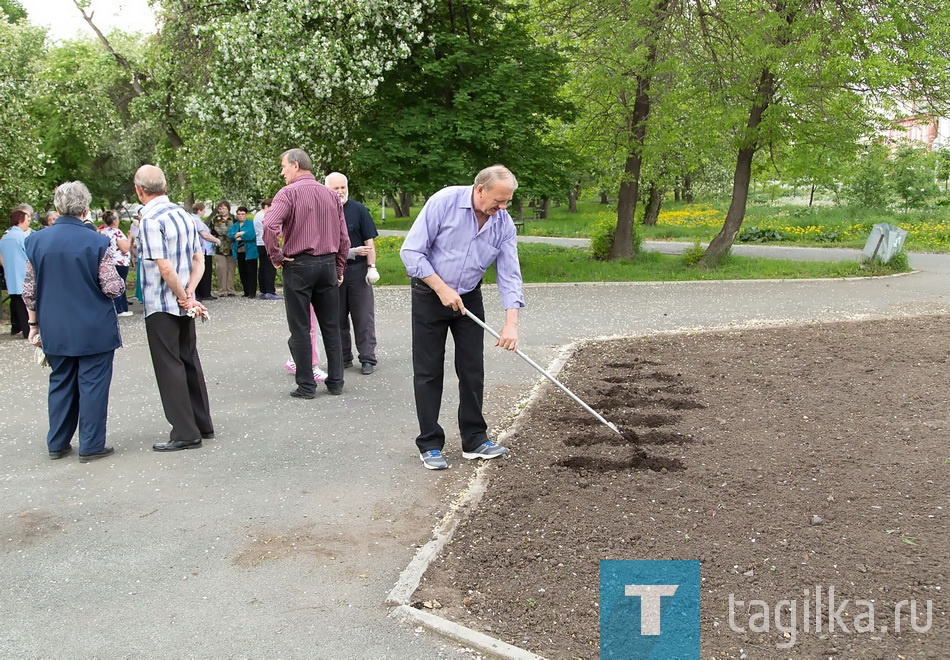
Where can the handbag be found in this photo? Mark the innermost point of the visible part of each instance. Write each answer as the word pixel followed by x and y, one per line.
pixel 39 355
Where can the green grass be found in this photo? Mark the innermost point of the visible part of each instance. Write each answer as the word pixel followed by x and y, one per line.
pixel 840 226
pixel 549 263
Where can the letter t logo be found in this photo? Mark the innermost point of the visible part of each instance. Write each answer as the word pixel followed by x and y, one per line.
pixel 650 595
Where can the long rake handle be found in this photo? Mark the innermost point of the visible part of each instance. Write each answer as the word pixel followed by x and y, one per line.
pixel 546 375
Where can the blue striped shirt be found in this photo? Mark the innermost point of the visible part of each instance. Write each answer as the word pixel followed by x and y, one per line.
pixel 167 232
pixel 445 239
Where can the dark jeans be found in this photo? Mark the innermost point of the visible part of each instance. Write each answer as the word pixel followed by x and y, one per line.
pixel 203 290
pixel 312 281
pixel 79 397
pixel 247 269
pixel 19 317
pixel 181 381
pixel 266 273
pixel 122 303
pixel 356 302
pixel 431 321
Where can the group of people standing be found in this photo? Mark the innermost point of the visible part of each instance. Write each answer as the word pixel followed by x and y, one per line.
pixel 234 243
pixel 70 283
pixel 324 244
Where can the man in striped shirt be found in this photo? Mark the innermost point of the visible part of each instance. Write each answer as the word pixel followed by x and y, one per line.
pixel 309 217
pixel 172 266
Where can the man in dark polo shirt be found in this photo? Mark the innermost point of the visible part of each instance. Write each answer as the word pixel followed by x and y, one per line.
pixel 356 292
pixel 309 218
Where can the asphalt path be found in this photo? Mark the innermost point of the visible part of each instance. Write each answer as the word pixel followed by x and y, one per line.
pixel 281 537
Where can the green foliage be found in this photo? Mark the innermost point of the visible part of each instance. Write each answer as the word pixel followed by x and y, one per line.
pixel 693 254
pixel 21 161
pixel 754 234
pixel 912 178
pixel 899 263
pixel 12 11
pixel 602 238
pixel 479 91
pixel 96 140
pixel 867 184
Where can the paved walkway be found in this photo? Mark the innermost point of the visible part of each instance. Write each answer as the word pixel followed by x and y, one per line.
pixel 283 536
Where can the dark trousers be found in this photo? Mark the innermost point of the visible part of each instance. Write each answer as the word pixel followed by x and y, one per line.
pixel 266 273
pixel 181 382
pixel 79 397
pixel 203 290
pixel 121 303
pixel 312 281
pixel 247 269
pixel 356 302
pixel 431 322
pixel 19 317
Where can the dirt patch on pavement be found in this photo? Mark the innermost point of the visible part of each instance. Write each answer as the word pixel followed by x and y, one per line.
pixel 783 459
pixel 28 529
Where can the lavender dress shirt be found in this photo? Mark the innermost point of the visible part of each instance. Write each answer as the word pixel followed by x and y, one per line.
pixel 445 239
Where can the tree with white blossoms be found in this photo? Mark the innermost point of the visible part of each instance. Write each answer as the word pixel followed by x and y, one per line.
pixel 21 163
pixel 291 73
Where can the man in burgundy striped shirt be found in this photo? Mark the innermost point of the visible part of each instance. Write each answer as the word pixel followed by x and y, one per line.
pixel 309 217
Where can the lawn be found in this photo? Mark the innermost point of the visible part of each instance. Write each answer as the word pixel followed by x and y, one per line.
pixel 838 226
pixel 541 262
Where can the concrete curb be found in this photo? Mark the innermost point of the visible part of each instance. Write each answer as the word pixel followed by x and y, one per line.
pixel 464 503
pixel 466 636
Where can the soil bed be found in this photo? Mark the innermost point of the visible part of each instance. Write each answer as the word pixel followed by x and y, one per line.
pixel 783 459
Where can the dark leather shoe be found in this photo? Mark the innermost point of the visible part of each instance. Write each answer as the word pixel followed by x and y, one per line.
pixel 62 453
pixel 207 436
pixel 366 369
pixel 177 445
pixel 300 394
pixel 106 451
pixel 347 364
pixel 335 392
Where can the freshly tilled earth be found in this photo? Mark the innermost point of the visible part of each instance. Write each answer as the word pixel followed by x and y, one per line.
pixel 784 459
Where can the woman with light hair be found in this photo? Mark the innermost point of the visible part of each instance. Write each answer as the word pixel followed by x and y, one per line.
pixel 71 280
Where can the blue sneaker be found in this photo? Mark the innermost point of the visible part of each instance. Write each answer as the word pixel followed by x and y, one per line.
pixel 486 450
pixel 433 460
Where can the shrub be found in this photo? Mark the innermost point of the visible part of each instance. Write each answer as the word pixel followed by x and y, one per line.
pixel 602 237
pixel 827 237
pixel 759 235
pixel 693 254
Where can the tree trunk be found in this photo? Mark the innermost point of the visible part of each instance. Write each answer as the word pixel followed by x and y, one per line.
pixel 400 204
pixel 630 185
pixel 636 130
pixel 543 208
pixel 688 189
pixel 603 198
pixel 722 243
pixel 811 196
pixel 394 205
pixel 676 194
pixel 626 208
pixel 652 212
pixel 572 199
